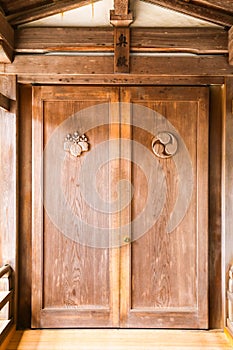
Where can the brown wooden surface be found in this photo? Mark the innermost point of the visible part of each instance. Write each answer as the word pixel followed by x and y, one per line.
pixel 4 102
pixel 215 226
pixel 227 181
pixel 161 286
pixel 25 201
pixel 39 65
pixel 138 308
pixel 74 291
pixel 190 40
pixel 230 45
pixel 6 40
pixel 118 340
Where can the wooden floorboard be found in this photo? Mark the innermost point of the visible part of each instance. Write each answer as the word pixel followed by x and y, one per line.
pixel 114 339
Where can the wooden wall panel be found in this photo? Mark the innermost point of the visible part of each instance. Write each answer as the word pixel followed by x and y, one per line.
pixel 25 121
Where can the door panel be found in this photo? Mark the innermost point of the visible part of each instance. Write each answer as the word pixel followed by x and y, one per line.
pixel 74 285
pixel 167 286
pixel 149 269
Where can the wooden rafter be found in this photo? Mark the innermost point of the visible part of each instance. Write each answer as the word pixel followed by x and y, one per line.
pixel 6 40
pixel 46 10
pixel 194 8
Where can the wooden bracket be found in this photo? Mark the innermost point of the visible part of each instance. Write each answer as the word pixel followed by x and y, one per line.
pixel 6 40
pixel 121 18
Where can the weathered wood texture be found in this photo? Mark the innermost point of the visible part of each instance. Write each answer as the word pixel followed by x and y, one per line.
pixel 25 183
pixel 144 70
pixel 215 227
pixel 189 40
pixel 8 181
pixel 6 40
pixel 162 289
pixel 19 12
pixel 77 290
pixel 227 205
pixel 230 45
pixel 121 50
pixel 201 10
pixel 118 340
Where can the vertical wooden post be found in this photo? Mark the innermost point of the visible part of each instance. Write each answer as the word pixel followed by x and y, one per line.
pixel 121 18
pixel 227 191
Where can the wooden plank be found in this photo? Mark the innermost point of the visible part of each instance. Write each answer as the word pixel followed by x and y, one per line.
pixel 4 102
pixel 45 10
pixel 189 40
pixel 196 10
pixel 119 339
pixel 6 40
pixel 227 183
pixel 140 65
pixel 131 79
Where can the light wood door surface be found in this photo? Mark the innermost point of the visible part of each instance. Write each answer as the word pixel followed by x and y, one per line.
pixel 119 232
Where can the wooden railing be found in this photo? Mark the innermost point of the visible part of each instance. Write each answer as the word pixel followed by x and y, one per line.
pixel 6 301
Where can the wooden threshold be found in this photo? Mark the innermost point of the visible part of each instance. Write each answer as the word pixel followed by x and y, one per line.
pixel 118 339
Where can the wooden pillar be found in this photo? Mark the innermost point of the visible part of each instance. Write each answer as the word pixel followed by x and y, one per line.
pixel 227 191
pixel 121 18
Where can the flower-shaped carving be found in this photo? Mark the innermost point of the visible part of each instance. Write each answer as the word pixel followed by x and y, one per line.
pixel 76 144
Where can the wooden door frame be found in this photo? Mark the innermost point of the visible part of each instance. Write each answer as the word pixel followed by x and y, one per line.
pixel 25 277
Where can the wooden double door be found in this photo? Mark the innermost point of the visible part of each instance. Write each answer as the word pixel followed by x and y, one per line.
pixel 119 235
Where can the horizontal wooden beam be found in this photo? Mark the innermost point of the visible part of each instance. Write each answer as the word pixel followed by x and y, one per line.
pixel 120 79
pixel 188 40
pixel 4 102
pixel 36 65
pixel 198 10
pixel 6 40
pixel 46 10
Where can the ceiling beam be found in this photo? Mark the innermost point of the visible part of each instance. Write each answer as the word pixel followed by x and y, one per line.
pixel 199 11
pixel 6 40
pixel 46 10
